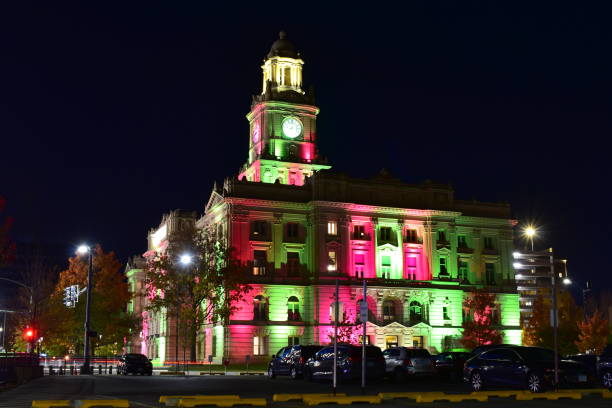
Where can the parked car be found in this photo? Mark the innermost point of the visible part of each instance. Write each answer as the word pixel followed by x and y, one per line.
pixel 320 366
pixel 401 362
pixel 134 363
pixel 604 367
pixel 450 364
pixel 588 360
pixel 290 360
pixel 483 348
pixel 523 367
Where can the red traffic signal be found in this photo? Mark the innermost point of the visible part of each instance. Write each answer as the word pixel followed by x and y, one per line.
pixel 29 334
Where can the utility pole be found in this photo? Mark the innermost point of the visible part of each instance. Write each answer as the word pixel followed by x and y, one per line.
pixel 364 319
pixel 86 368
pixel 336 304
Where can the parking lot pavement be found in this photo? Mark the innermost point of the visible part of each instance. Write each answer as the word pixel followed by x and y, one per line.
pixel 145 391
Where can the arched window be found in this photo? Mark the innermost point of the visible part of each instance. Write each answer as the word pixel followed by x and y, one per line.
pixel 416 312
pixel 260 308
pixel 293 309
pixel 388 311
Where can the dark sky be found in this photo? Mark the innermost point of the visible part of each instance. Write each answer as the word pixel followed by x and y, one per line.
pixel 112 114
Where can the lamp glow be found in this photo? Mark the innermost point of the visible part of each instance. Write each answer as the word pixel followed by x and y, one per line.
pixel 516 255
pixel 186 259
pixel 567 281
pixel 530 231
pixel 517 265
pixel 82 249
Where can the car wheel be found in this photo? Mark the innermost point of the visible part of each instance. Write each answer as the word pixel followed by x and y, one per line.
pixel 124 372
pixel 398 375
pixel 535 383
pixel 606 380
pixel 293 373
pixel 477 382
pixel 271 374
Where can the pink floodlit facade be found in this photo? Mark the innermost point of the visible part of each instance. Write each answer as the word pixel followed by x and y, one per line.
pixel 301 228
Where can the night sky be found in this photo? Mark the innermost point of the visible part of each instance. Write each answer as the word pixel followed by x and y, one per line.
pixel 113 114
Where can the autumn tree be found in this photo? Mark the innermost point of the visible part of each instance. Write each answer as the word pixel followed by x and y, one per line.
pixel 538 330
pixel 63 327
pixel 477 329
pixel 348 330
pixel 593 334
pixel 206 290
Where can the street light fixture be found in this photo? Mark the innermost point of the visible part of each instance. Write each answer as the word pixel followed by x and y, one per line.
pixel 530 231
pixel 185 260
pixel 83 250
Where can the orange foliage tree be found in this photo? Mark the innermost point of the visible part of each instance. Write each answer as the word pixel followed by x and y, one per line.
pixel 477 328
pixel 62 327
pixel 593 334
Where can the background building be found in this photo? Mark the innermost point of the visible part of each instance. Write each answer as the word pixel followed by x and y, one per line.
pixel 300 228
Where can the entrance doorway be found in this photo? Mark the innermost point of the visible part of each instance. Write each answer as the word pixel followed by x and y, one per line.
pixel 391 341
pixel 417 341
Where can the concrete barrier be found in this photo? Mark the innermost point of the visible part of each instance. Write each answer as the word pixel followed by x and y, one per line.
pixel 529 396
pixel 341 399
pixel 51 403
pixel 440 396
pixel 299 397
pixel 173 400
pixel 227 402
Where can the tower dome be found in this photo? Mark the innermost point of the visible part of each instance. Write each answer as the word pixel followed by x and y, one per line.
pixel 283 48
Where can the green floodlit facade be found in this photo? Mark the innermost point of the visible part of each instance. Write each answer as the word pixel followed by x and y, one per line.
pixel 299 228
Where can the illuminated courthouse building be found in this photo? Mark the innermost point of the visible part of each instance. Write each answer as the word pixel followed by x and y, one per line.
pixel 300 227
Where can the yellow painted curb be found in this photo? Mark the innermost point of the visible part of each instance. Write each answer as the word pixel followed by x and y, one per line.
pixel 440 396
pixel 396 395
pixel 528 396
pixel 118 403
pixel 172 400
pixel 340 399
pixel 50 403
pixel 227 402
pixel 500 393
pixel 172 373
pixel 291 397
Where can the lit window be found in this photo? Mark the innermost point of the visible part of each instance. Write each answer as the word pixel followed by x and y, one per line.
pixel 386 266
pixel 332 261
pixel 443 270
pixel 259 346
pixel 293 309
pixel 359 265
pixel 388 311
pixel 359 232
pixel 260 308
pixel 332 228
pixel 293 341
pixel 259 263
pixel 332 311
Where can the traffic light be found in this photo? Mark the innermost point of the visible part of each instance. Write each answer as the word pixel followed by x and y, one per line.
pixel 30 335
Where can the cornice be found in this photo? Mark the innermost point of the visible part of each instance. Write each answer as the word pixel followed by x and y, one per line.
pixel 365 208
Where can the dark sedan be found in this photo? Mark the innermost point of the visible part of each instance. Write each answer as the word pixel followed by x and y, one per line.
pixel 523 367
pixel 290 360
pixel 450 364
pixel 134 363
pixel 349 361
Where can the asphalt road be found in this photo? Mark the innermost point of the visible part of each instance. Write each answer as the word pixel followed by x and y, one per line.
pixel 145 391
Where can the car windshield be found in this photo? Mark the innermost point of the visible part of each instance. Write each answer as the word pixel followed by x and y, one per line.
pixel 536 354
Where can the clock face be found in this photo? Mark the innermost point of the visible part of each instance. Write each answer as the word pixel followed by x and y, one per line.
pixel 292 127
pixel 256 132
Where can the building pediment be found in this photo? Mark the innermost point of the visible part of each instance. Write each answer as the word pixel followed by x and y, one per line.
pixel 215 198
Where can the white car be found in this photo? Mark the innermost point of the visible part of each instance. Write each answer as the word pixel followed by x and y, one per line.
pixel 401 362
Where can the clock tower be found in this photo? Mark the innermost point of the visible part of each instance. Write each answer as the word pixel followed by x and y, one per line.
pixel 282 131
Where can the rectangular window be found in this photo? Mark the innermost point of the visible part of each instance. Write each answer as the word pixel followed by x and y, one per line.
pixel 213 352
pixel 443 270
pixel 488 242
pixel 259 346
pixel 293 341
pixel 332 312
pixel 359 232
pixel 332 228
pixel 445 314
pixel 385 234
pixel 368 341
pixel 442 236
pixel 490 273
pixel 411 236
pixel 417 341
pixel 463 271
pixel 292 230
pixel 259 263
pixel 332 261
pixel 462 241
pixel 259 228
pixel 411 263
pixel 359 265
pixel 386 266
pixel 293 264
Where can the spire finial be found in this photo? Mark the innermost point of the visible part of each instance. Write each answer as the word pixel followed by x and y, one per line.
pixel 282 35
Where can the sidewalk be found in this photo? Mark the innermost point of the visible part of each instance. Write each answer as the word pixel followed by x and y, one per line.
pixel 197 372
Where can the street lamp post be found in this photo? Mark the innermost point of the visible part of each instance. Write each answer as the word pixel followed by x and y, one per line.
pixel 82 250
pixel 32 311
pixel 185 260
